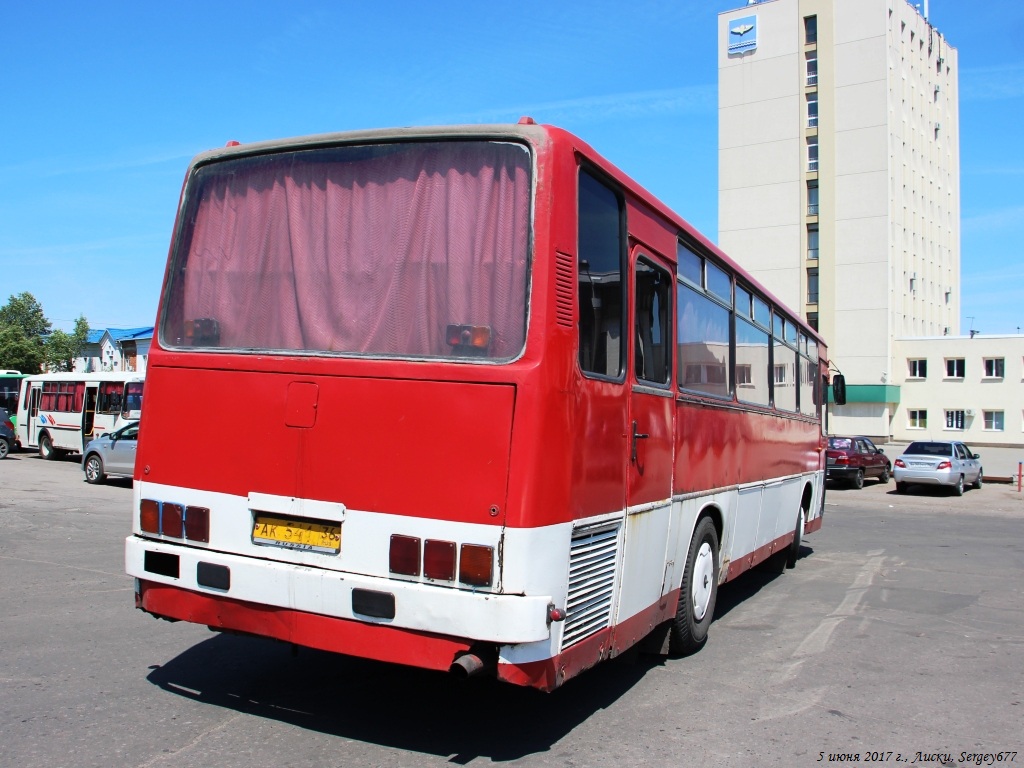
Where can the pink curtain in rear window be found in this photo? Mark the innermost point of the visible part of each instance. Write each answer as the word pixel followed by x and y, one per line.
pixel 366 250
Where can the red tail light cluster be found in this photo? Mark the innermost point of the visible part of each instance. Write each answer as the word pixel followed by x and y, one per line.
pixel 899 463
pixel 943 465
pixel 436 560
pixel 175 521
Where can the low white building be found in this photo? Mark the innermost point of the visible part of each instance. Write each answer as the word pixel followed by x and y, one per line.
pixel 960 388
pixel 116 349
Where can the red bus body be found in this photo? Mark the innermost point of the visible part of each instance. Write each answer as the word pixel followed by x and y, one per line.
pixel 583 489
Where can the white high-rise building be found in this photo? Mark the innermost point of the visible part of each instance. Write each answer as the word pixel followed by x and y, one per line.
pixel 839 178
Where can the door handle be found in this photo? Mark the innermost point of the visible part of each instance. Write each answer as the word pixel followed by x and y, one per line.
pixel 636 436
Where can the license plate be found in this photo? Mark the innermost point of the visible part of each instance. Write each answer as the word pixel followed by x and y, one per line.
pixel 308 535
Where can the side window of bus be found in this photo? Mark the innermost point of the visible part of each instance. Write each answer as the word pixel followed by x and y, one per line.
pixel 704 310
pixel 753 319
pixel 600 288
pixel 652 355
pixel 784 360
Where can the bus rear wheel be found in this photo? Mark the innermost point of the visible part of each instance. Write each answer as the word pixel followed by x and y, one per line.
pixel 46 449
pixel 698 592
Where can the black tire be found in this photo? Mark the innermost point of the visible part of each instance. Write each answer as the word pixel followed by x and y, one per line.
pixel 93 467
pixel 958 489
pixel 884 477
pixel 698 592
pixel 858 480
pixel 901 487
pixel 798 536
pixel 976 485
pixel 5 447
pixel 46 449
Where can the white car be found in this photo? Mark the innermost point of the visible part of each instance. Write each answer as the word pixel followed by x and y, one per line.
pixel 938 462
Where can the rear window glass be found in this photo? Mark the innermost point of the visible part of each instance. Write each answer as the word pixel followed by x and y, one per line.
pixel 416 250
pixel 930 449
pixel 840 443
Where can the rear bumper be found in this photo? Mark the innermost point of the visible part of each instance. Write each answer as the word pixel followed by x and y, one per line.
pixel 926 478
pixel 261 594
pixel 326 633
pixel 837 472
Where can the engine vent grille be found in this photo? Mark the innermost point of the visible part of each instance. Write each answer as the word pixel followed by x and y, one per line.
pixel 563 289
pixel 592 559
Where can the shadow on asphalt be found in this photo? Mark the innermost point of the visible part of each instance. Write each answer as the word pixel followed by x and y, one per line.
pixel 389 705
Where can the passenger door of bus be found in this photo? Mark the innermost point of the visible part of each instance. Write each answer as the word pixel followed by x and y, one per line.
pixel 32 418
pixel 650 438
pixel 89 412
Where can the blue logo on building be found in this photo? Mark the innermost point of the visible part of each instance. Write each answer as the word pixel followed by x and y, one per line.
pixel 743 34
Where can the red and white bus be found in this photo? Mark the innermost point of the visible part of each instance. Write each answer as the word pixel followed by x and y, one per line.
pixel 61 412
pixel 489 406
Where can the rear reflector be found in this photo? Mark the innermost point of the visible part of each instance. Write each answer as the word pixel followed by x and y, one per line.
pixel 213 576
pixel 476 564
pixel 405 555
pixel 439 560
pixel 368 602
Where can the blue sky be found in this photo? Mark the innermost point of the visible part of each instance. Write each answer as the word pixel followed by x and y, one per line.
pixel 103 104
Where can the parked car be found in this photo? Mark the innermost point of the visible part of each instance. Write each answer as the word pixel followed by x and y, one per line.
pixel 852 459
pixel 111 454
pixel 8 440
pixel 938 462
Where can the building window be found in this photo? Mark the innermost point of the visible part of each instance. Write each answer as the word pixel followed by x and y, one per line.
pixel 955 368
pixel 743 376
pixel 810 30
pixel 812 68
pixel 812 201
pixel 812 241
pixel 955 420
pixel 994 367
pixel 812 109
pixel 812 320
pixel 780 374
pixel 994 421
pixel 812 153
pixel 812 286
pixel 917 419
pixel 917 369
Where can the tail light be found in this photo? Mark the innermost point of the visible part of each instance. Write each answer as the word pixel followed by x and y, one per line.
pixel 476 565
pixel 174 520
pixel 197 524
pixel 842 459
pixel 149 516
pixel 439 560
pixel 900 463
pixel 405 555
pixel 943 465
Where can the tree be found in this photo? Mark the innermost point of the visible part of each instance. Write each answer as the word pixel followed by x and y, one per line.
pixel 25 312
pixel 18 352
pixel 60 348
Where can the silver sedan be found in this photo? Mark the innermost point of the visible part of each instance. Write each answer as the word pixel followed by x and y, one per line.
pixel 938 462
pixel 111 454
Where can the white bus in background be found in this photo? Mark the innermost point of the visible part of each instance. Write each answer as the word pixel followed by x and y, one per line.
pixel 61 412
